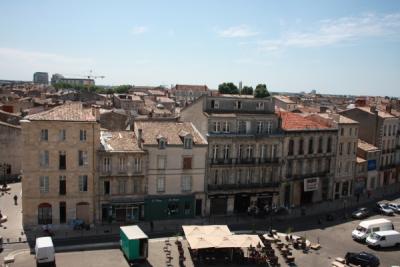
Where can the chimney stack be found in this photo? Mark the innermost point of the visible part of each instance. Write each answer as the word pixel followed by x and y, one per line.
pixel 139 138
pixel 96 112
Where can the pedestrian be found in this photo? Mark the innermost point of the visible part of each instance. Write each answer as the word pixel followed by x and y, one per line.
pixel 15 199
pixel 151 226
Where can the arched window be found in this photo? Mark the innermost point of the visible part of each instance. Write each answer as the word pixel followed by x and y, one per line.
pixel 44 213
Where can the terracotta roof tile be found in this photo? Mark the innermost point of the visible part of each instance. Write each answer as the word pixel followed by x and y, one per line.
pixel 293 121
pixel 68 112
pixel 168 129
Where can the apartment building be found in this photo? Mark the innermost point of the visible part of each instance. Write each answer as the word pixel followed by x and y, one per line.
pixel 378 128
pixel 285 103
pixel 41 78
pixel 59 165
pixel 346 150
pixel 10 149
pixel 131 103
pixel 176 154
pixel 372 155
pixel 122 183
pixel 309 150
pixel 186 94
pixel 244 151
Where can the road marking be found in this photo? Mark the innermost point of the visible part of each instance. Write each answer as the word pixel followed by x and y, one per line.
pixel 19 252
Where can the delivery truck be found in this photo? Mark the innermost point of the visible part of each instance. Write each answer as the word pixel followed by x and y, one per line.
pixel 134 243
pixel 44 252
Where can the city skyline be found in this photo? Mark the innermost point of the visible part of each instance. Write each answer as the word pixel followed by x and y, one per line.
pixel 290 46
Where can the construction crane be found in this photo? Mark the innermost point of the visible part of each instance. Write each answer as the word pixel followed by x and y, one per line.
pixel 91 76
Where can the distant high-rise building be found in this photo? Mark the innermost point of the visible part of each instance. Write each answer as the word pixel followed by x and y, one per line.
pixel 41 78
pixel 58 78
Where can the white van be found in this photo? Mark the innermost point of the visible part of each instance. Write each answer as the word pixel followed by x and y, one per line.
pixel 383 239
pixel 365 228
pixel 44 251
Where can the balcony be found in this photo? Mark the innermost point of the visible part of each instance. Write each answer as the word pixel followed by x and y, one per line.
pixel 306 175
pixel 216 187
pixel 221 161
pixel 245 161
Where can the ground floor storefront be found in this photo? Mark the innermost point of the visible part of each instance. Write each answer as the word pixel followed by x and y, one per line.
pixel 122 211
pixel 172 207
pixel 240 202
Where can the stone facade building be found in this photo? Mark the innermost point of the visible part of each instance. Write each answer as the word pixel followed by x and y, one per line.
pixel 372 155
pixel 244 151
pixel 379 128
pixel 309 150
pixel 186 94
pixel 59 165
pixel 122 180
pixel 10 148
pixel 176 168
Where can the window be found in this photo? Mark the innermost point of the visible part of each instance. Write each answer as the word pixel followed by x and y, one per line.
pixel 269 127
pixel 241 127
pixel 62 185
pixel 188 142
pixel 355 131
pixel 44 135
pixel 62 135
pixel 348 148
pixel 186 183
pixel 320 141
pixel 44 184
pixel 83 183
pixel 121 186
pixel 274 151
pixel 122 164
pixel 82 158
pixel 238 105
pixel 187 163
pixel 137 186
pixel 354 148
pixel 390 130
pixel 215 151
pixel 291 147
pixel 162 143
pixel 215 104
pixel 342 131
pixel 106 187
pixel 160 184
pixel 137 165
pixel 44 213
pixel 225 127
pixel 216 126
pixel 44 159
pixel 161 162
pixel 329 145
pixel 62 160
pixel 240 152
pixel 260 106
pixel 341 149
pixel 226 151
pixel 260 127
pixel 384 130
pixel 249 152
pixel 262 151
pixel 301 150
pixel 82 135
pixel 106 164
pixel 350 131
pixel 187 208
pixel 310 146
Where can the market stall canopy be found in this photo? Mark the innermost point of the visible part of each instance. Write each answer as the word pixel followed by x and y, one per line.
pixel 199 242
pixel 212 230
pixel 246 241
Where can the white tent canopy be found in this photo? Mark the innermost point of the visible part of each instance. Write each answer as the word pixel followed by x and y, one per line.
pixel 214 230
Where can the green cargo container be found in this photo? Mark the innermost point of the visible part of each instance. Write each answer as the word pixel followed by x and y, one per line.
pixel 134 243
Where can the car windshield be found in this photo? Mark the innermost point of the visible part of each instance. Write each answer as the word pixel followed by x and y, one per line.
pixel 385 206
pixel 361 229
pixel 375 236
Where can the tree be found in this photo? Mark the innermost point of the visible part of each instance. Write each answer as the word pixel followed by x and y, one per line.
pixel 228 88
pixel 261 91
pixel 122 89
pixel 247 90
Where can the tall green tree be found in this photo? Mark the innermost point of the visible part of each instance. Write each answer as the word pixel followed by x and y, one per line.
pixel 228 88
pixel 261 91
pixel 247 90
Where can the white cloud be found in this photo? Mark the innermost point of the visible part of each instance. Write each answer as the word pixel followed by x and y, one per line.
pixel 139 29
pixel 20 64
pixel 238 32
pixel 338 31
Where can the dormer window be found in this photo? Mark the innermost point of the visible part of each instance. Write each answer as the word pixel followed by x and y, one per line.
pixel 215 104
pixel 188 142
pixel 162 143
pixel 260 105
pixel 238 105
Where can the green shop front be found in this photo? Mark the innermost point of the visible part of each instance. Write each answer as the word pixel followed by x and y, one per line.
pixel 123 210
pixel 169 207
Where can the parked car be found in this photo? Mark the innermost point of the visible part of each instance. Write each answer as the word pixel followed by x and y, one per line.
pixel 395 207
pixel 363 259
pixel 389 238
pixel 384 208
pixel 361 213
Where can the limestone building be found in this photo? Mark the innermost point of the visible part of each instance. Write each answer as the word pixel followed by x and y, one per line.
pixel 59 165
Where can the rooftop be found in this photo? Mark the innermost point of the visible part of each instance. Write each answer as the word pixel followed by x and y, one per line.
pixel 186 87
pixel 285 99
pixel 172 131
pixel 164 99
pixel 342 119
pixel 366 146
pixel 295 122
pixel 360 160
pixel 381 113
pixel 119 141
pixel 73 111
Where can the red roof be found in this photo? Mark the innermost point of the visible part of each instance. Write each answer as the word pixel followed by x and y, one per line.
pixel 293 121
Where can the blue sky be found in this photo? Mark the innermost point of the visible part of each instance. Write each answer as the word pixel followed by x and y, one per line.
pixel 338 46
